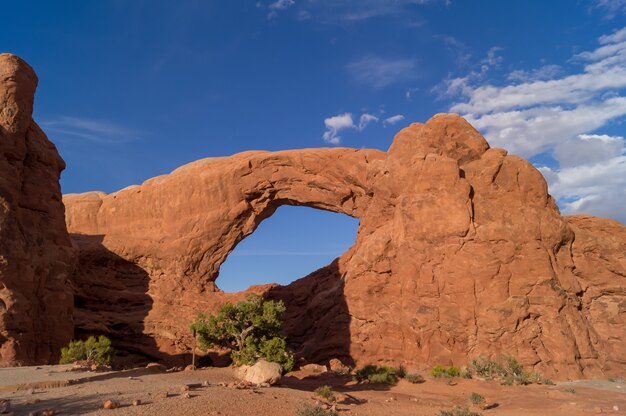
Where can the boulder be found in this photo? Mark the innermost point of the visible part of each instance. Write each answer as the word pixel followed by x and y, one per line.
pixel 259 373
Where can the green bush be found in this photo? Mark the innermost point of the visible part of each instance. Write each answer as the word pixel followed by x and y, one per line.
pixel 374 374
pixel 414 378
pixel 507 369
pixel 476 398
pixel 94 349
pixel 486 368
pixel 251 329
pixel 310 410
pixel 326 393
pixel 570 390
pixel 458 411
pixel 440 371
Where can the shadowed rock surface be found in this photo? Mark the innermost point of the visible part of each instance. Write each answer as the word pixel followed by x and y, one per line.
pixel 36 255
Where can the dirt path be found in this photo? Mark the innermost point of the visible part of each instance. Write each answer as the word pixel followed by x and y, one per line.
pixel 588 397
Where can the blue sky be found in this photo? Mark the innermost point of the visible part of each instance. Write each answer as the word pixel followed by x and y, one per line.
pixel 131 89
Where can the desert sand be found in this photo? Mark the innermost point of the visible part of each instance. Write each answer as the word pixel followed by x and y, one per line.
pixel 30 394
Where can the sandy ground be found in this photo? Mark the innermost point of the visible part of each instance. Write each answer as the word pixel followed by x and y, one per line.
pixel 92 389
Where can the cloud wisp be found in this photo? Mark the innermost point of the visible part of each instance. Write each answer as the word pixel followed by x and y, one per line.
pixel 343 122
pixel 277 6
pixel 611 8
pixel 543 111
pixel 95 131
pixel 378 72
pixel 390 121
pixel 355 11
pixel 334 125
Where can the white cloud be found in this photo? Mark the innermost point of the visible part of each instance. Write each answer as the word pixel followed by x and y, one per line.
pixel 354 11
pixel 492 59
pixel 378 72
pixel 452 86
pixel 612 8
pixel 596 188
pixel 544 111
pixel 365 120
pixel 542 73
pixel 344 121
pixel 277 6
pixel 456 48
pixel 282 4
pixel 588 149
pixel 96 131
pixel 390 121
pixel 334 125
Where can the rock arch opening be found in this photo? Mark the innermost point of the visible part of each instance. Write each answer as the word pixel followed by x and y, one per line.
pixel 293 242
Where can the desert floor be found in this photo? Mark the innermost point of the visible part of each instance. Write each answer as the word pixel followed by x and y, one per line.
pixel 33 389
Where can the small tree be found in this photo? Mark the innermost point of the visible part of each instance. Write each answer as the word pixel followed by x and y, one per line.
pixel 250 328
pixel 94 349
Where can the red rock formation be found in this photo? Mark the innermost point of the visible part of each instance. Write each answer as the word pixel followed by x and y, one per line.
pixel 460 252
pixel 36 296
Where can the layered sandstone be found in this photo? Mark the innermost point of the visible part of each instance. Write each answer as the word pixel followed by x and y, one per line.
pixel 460 252
pixel 36 263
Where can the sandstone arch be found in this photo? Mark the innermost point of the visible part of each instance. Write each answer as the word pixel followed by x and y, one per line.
pixel 460 251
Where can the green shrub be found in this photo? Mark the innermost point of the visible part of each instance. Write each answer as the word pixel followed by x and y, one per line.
pixel 326 393
pixel 414 378
pixel 507 369
pixel 458 411
pixel 94 349
pixel 251 329
pixel 310 410
pixel 485 368
pixel 440 371
pixel 374 374
pixel 570 390
pixel 476 398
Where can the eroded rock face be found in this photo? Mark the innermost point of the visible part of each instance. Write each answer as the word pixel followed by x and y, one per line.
pixel 36 262
pixel 460 252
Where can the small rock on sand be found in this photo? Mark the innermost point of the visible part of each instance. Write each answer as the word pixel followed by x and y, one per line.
pixel 110 404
